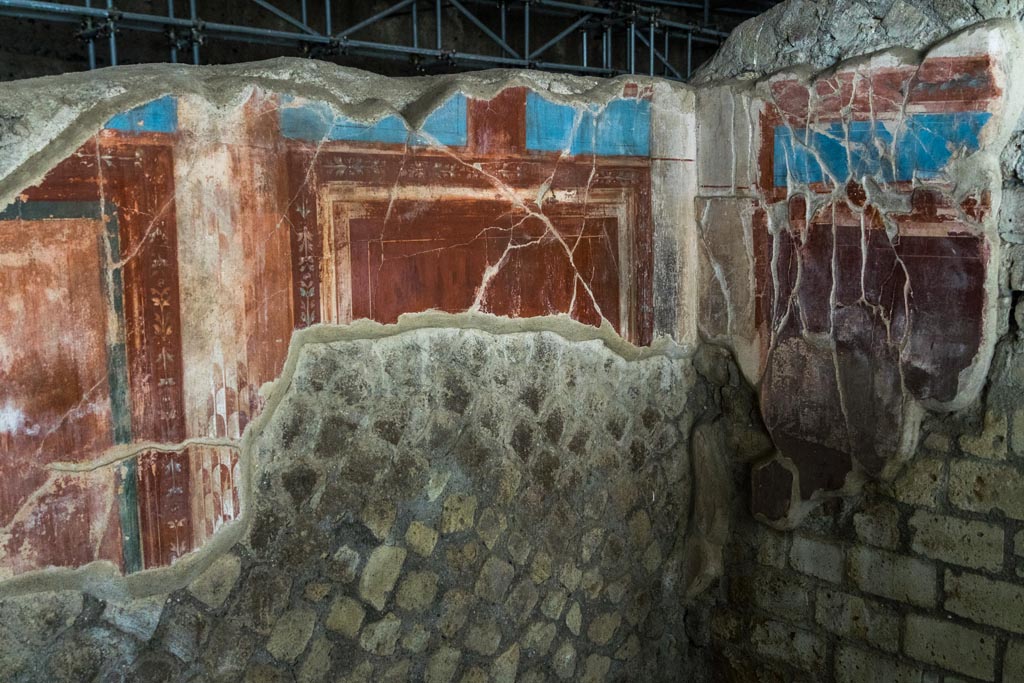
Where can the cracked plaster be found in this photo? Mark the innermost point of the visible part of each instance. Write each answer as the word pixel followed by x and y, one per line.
pixel 830 156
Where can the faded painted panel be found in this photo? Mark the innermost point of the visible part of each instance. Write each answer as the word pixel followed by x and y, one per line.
pixel 873 293
pixel 55 403
pixel 486 258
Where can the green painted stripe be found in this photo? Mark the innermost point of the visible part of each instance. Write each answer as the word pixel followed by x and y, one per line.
pixel 127 481
pixel 41 211
pixel 117 376
pixel 128 509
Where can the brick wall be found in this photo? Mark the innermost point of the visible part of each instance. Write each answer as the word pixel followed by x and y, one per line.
pixel 919 580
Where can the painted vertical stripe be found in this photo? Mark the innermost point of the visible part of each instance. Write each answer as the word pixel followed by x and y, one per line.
pixel 117 377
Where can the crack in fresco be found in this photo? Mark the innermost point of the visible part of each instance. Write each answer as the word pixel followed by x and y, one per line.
pixel 118 454
pixel 870 249
pixel 550 230
pixel 861 222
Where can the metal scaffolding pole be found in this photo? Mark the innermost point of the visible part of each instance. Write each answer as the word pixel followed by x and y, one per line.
pixel 664 51
pixel 604 47
pixel 526 29
pixel 415 27
pixel 544 23
pixel 90 40
pixel 633 46
pixel 111 33
pixel 195 35
pixel 173 35
pixel 689 55
pixel 650 46
pixel 438 16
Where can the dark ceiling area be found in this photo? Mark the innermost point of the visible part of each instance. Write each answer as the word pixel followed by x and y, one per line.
pixel 668 38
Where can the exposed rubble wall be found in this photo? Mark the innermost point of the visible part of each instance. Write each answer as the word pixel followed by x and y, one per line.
pixel 454 498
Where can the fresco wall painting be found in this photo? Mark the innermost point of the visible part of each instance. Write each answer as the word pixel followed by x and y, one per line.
pixel 167 261
pixel 871 262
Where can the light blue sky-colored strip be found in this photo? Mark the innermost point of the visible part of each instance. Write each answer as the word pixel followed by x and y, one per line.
pixel 621 128
pixel 317 121
pixel 925 144
pixel 157 116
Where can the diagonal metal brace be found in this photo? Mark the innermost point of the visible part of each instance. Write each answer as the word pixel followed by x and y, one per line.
pixel 287 17
pixel 375 18
pixel 483 27
pixel 551 43
pixel 657 53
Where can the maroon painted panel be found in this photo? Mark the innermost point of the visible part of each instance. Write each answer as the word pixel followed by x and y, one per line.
pixel 461 234
pixel 54 397
pixel 437 256
pixel 497 126
pixel 864 310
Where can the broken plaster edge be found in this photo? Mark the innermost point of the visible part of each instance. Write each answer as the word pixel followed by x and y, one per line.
pixel 102 579
pixel 702 80
pixel 360 95
pixel 981 168
pixel 1011 32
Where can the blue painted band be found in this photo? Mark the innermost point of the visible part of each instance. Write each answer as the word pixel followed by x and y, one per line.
pixel 158 116
pixel 924 146
pixel 621 128
pixel 316 121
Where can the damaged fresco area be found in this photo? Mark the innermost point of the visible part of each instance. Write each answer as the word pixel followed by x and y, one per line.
pixel 154 279
pixel 850 254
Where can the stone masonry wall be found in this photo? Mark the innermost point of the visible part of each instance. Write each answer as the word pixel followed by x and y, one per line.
pixel 918 580
pixel 469 498
pixel 439 504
